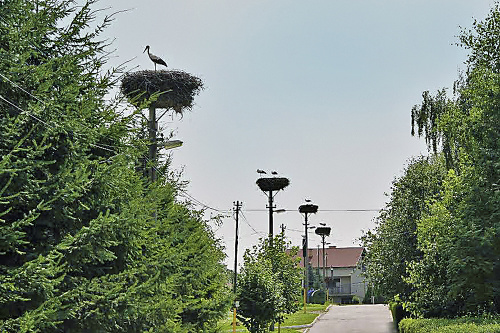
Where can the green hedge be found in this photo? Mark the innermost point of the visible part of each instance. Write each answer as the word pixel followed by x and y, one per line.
pixel 398 313
pixel 465 325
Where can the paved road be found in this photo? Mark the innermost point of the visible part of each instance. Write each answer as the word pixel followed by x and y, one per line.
pixel 355 319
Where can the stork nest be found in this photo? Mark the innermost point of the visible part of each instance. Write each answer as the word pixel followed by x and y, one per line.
pixel 272 184
pixel 308 208
pixel 163 89
pixel 323 231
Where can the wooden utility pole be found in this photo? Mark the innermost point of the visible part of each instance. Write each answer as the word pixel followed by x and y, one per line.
pixel 237 205
pixel 237 208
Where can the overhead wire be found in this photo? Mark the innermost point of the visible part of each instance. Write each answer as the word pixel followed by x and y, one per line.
pixel 182 192
pixel 188 196
pixel 54 124
pixel 319 210
pixel 248 223
pixel 109 148
pixel 105 147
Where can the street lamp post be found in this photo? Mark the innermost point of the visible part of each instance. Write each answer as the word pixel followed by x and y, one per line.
pixel 306 210
pixel 323 232
pixel 271 186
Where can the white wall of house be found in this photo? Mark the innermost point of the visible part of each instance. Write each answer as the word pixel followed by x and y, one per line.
pixel 349 275
pixel 358 284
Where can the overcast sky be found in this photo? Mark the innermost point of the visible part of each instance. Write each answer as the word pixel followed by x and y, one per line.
pixel 320 91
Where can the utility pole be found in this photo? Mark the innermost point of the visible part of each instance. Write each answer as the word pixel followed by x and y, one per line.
pixel 318 260
pixel 237 208
pixel 271 218
pixel 323 232
pixel 153 128
pixel 268 185
pixel 306 210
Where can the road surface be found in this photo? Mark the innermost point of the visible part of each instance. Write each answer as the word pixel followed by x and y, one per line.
pixel 355 319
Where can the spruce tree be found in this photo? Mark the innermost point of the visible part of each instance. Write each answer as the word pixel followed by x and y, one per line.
pixel 80 247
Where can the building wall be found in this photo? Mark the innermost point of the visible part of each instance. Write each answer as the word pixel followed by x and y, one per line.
pixel 349 275
pixel 358 284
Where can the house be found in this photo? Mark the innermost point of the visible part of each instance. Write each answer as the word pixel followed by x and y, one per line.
pixel 342 271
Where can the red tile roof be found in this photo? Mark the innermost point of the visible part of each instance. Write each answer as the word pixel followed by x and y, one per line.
pixel 335 256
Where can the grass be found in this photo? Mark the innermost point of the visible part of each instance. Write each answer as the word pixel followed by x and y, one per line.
pixel 295 319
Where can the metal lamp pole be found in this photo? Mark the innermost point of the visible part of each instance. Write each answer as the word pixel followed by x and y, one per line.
pixel 306 210
pixel 268 185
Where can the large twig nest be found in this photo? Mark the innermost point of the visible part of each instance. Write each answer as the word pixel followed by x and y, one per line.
pixel 272 184
pixel 162 89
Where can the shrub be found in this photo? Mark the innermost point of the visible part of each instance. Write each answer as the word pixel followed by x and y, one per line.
pixel 398 312
pixel 465 325
pixel 356 300
pixel 318 297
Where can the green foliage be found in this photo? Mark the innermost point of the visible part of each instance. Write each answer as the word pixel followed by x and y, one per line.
pixel 313 278
pixel 449 265
pixel 398 312
pixel 269 284
pixel 394 241
pixel 318 297
pixel 465 325
pixel 86 245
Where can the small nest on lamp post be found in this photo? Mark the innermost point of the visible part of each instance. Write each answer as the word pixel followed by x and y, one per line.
pixel 272 184
pixel 172 89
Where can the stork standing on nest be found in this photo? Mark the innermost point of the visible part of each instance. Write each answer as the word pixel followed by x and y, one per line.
pixel 155 59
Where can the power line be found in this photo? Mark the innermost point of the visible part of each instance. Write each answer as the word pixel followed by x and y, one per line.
pixel 109 148
pixel 54 125
pixel 26 112
pixel 15 85
pixel 190 197
pixel 248 223
pixel 319 210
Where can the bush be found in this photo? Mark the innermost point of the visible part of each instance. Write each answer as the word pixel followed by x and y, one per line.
pixel 368 297
pixel 398 313
pixel 318 297
pixel 356 300
pixel 465 325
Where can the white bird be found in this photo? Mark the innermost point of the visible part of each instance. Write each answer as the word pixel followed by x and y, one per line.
pixel 155 59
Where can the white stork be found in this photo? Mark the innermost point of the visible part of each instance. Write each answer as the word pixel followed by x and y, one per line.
pixel 155 59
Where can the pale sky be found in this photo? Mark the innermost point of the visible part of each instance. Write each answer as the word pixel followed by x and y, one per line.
pixel 320 91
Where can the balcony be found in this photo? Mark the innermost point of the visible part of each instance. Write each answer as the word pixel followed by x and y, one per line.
pixel 344 289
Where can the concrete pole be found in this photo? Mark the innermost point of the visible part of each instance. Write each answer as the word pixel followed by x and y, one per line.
pixel 271 219
pixel 306 255
pixel 323 241
pixel 153 127
pixel 237 210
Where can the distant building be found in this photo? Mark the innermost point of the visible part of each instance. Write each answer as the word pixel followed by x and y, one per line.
pixel 342 271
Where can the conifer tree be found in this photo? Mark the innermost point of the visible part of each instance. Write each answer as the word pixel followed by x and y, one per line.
pixel 80 247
